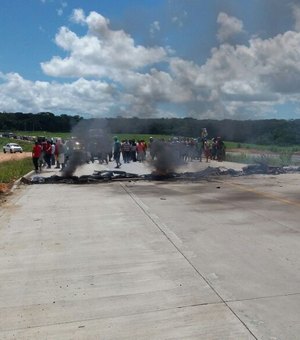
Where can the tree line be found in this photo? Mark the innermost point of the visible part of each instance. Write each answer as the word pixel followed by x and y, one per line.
pixel 269 131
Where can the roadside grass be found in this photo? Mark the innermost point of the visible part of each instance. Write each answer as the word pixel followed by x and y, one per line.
pixel 64 135
pixel 271 148
pixel 67 135
pixel 281 159
pixel 10 171
pixel 136 137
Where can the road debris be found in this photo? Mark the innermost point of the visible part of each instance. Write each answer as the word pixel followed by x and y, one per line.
pixel 117 175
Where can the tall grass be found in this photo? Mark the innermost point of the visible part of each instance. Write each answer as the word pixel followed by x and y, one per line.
pixel 282 159
pixel 272 148
pixel 10 171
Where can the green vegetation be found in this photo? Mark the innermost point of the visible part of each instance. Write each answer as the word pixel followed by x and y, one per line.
pixel 12 170
pixel 26 145
pixel 281 159
pixel 136 137
pixel 270 132
pixel 261 147
pixel 66 135
pixel 46 134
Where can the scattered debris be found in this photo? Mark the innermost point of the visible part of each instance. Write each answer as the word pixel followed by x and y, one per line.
pixel 117 175
pixel 262 168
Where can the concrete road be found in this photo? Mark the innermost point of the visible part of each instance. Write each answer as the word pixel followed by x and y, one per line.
pixel 152 260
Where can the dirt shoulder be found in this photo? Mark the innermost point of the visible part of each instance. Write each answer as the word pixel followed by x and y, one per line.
pixel 12 156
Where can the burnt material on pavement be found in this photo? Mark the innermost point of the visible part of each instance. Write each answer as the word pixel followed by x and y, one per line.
pixel 117 175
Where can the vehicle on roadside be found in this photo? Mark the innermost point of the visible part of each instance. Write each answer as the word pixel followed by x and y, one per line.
pixel 12 148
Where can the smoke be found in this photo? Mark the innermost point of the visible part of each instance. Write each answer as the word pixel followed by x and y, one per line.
pixel 166 156
pixel 90 138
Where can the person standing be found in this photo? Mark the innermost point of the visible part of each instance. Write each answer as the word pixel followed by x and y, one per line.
pixel 199 149
pixel 140 151
pixel 220 150
pixel 126 147
pixel 61 150
pixel 133 150
pixel 36 154
pixel 117 151
pixel 151 148
pixel 52 153
pixel 48 153
pixel 207 150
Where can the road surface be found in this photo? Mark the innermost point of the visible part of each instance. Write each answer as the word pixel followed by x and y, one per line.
pixel 215 259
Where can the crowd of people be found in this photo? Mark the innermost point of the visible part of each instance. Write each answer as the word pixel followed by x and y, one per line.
pixel 131 151
pixel 184 149
pixel 50 153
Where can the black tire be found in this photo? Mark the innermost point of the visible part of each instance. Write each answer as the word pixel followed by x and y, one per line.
pixel 4 150
pixel 11 151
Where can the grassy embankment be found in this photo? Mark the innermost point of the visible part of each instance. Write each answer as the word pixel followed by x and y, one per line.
pixel 14 169
pixel 273 155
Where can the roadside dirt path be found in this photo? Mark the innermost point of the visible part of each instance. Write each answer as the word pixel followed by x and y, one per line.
pixel 11 156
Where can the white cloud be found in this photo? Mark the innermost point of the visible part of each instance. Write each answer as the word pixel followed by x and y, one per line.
pixel 154 28
pixel 94 97
pixel 111 74
pixel 235 79
pixel 60 11
pixel 229 27
pixel 78 16
pixel 180 19
pixel 101 53
pixel 296 14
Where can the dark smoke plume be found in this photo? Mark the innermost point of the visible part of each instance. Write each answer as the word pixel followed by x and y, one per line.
pixel 166 157
pixel 89 138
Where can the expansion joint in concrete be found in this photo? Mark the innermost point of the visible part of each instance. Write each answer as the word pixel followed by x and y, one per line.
pixel 262 297
pixel 164 230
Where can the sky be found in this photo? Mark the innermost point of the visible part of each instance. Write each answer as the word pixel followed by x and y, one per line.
pixel 205 59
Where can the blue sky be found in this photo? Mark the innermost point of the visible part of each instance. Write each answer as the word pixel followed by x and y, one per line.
pixel 235 59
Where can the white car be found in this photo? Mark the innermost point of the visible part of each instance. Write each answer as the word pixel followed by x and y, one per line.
pixel 12 148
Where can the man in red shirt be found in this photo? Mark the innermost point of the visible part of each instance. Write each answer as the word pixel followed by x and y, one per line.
pixel 48 153
pixel 36 154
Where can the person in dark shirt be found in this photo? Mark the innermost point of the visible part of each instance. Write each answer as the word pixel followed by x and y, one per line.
pixel 117 151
